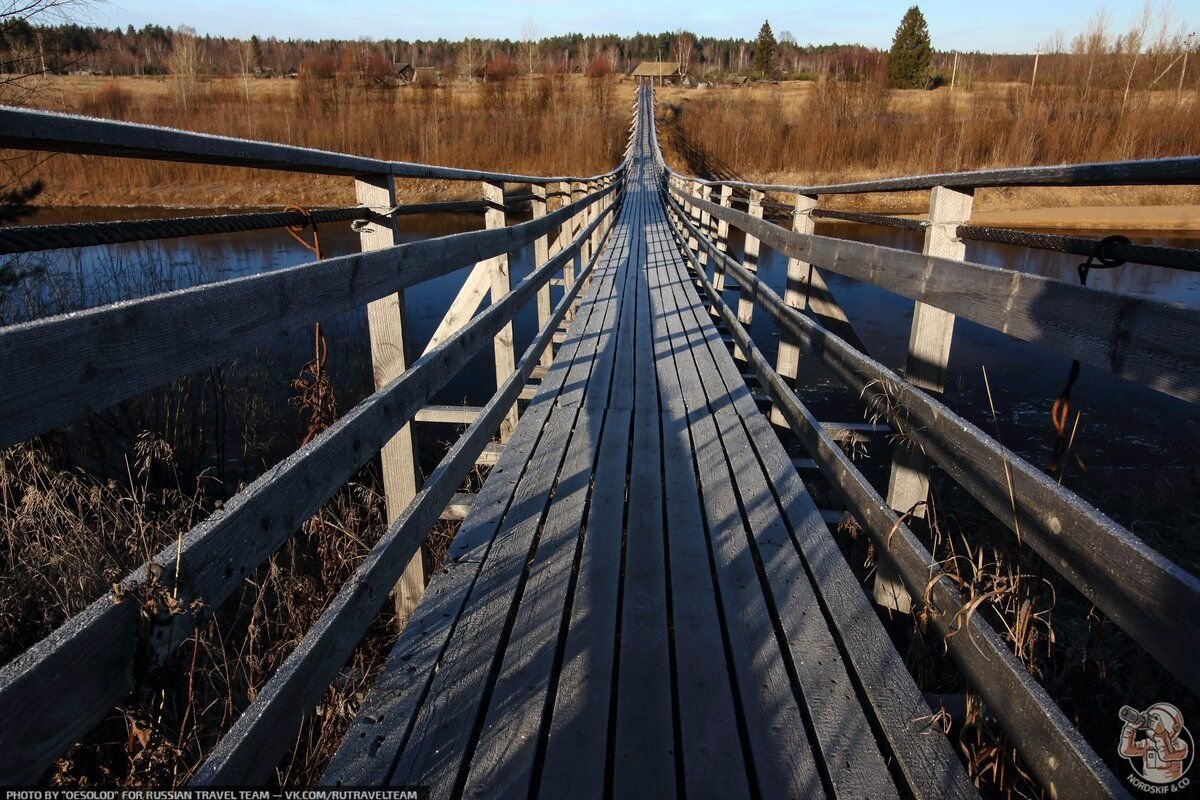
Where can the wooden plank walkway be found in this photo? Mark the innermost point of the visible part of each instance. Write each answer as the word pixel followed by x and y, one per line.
pixel 644 600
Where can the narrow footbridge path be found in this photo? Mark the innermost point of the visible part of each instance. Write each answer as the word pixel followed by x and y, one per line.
pixel 644 599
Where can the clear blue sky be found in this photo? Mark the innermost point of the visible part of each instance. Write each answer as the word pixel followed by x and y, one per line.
pixel 993 26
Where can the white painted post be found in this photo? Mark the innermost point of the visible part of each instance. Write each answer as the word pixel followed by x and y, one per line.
pixel 385 321
pixel 928 354
pixel 506 360
pixel 799 274
pixel 541 254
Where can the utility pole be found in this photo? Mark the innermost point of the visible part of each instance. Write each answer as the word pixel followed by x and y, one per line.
pixel 1187 48
pixel 954 72
pixel 1036 55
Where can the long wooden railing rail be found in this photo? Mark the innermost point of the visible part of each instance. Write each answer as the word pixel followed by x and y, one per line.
pixel 56 691
pixel 1152 599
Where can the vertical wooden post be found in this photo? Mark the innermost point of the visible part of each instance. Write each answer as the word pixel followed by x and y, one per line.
pixel 593 215
pixel 572 226
pixel 506 360
pixel 541 254
pixel 787 362
pixel 722 240
pixel 389 358
pixel 928 354
pixel 578 192
pixel 705 193
pixel 750 260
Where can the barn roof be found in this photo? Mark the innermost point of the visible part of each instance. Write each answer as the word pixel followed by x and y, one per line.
pixel 656 69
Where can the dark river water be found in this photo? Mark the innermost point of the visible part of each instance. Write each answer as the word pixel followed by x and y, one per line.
pixel 1127 432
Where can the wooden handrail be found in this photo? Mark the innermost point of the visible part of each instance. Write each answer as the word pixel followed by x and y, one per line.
pixel 26 129
pixel 1148 341
pixel 1152 599
pixel 94 652
pixel 265 730
pixel 1183 170
pixel 107 354
pixel 31 238
pixel 1024 708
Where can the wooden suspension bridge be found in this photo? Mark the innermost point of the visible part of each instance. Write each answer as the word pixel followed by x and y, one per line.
pixel 643 599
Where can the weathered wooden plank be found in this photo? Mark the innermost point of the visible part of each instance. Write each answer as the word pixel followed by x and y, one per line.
pixel 445 728
pixel 503 760
pixel 882 681
pixel 1148 172
pixel 504 345
pixel 369 751
pixel 929 343
pixel 644 746
pixel 1062 761
pixel 840 732
pixel 541 253
pixel 574 764
pixel 107 354
pixel 1148 341
pixel 26 129
pixel 387 327
pixel 465 303
pixel 1152 599
pixel 450 415
pixel 710 747
pixel 778 742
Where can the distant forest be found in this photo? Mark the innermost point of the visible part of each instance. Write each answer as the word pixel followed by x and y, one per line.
pixel 26 48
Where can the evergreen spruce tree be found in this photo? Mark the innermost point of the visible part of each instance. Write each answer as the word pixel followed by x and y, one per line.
pixel 764 50
pixel 912 52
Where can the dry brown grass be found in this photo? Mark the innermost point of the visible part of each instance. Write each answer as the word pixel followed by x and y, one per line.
pixel 545 125
pixel 837 131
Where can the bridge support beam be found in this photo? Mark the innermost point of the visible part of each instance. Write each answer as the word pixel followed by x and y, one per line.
pixel 928 354
pixel 389 358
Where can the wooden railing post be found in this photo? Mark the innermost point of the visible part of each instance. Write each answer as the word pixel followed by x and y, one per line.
pixel 389 358
pixel 573 192
pixel 691 188
pixel 799 275
pixel 750 262
pixel 506 360
pixel 722 240
pixel 928 354
pixel 704 192
pixel 541 254
pixel 594 211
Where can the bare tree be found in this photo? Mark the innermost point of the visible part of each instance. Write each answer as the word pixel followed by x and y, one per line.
pixel 184 64
pixel 245 64
pixel 682 49
pixel 470 58
pixel 531 48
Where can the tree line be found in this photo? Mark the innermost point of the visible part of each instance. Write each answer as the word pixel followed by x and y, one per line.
pixel 1153 43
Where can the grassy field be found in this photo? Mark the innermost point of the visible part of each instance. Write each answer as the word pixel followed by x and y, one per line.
pixel 796 132
pixel 812 133
pixel 549 126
